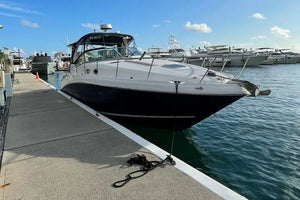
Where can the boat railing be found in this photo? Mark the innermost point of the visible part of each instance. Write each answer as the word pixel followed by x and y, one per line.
pixel 208 61
pixel 214 59
pixel 150 68
pixel 243 67
pixel 132 58
pixel 211 60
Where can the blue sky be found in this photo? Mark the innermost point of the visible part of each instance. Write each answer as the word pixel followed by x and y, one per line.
pixel 47 25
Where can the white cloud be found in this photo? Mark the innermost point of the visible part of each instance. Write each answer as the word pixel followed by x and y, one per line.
pixel 165 22
pixel 10 15
pixel 280 32
pixel 258 16
pixel 91 26
pixel 203 28
pixel 155 26
pixel 258 37
pixel 18 9
pixel 29 24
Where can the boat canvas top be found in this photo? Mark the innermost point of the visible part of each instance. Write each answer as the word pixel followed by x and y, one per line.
pixel 104 39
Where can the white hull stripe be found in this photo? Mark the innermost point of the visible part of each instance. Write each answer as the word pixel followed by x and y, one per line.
pixel 147 116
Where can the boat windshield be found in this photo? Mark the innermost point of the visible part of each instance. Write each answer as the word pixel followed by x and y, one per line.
pixel 132 51
pixel 66 59
pixel 17 62
pixel 176 50
pixel 102 53
pixel 101 46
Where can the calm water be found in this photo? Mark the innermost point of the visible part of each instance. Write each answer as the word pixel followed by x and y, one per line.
pixel 251 146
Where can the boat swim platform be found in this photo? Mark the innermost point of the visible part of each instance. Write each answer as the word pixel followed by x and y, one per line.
pixel 58 148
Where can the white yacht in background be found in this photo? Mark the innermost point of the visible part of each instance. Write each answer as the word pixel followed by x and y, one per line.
pixel 218 49
pixel 218 55
pixel 236 57
pixel 158 52
pixel 62 61
pixel 271 59
pixel 239 56
pixel 286 56
pixel 175 49
pixel 146 91
pixel 178 54
pixel 197 57
pixel 19 64
pixel 18 61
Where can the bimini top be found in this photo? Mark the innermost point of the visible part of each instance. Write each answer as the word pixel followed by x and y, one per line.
pixel 104 39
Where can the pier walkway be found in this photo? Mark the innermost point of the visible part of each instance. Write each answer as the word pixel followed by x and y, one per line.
pixel 54 149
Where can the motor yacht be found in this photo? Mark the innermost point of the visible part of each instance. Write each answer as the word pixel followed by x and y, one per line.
pixel 106 75
pixel 18 61
pixel 175 49
pixel 236 57
pixel 158 52
pixel 239 56
pixel 42 63
pixel 286 56
pixel 271 58
pixel 62 61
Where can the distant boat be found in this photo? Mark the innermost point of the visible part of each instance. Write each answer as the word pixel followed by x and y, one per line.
pixel 178 54
pixel 42 63
pixel 272 56
pixel 105 75
pixel 19 64
pixel 286 56
pixel 240 55
pixel 175 49
pixel 62 61
pixel 237 56
pixel 18 61
pixel 158 52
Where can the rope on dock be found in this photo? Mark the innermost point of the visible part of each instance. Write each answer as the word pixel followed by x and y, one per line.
pixel 146 167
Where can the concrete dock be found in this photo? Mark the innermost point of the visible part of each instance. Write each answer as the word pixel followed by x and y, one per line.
pixel 55 149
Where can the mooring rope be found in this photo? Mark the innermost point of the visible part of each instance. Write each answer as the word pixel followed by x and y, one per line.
pixel 174 128
pixel 142 160
pixel 146 167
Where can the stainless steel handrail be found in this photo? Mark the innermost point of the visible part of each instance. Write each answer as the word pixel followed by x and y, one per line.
pixel 243 67
pixel 150 68
pixel 208 69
